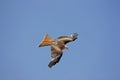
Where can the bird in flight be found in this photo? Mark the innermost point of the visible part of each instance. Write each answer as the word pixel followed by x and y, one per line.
pixel 57 46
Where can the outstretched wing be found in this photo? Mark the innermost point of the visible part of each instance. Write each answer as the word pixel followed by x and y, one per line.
pixel 67 39
pixel 56 54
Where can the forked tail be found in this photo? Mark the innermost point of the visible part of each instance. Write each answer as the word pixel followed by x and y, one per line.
pixel 47 41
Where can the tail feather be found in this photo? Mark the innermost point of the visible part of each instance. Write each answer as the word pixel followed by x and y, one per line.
pixel 46 41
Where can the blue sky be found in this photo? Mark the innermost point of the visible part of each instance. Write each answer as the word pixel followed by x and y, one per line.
pixel 95 55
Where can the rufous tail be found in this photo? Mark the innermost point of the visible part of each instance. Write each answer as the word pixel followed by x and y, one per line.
pixel 47 41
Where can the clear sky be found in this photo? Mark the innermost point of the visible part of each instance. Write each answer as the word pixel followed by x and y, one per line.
pixel 95 55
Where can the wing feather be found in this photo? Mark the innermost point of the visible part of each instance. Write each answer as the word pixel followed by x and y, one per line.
pixel 67 39
pixel 56 55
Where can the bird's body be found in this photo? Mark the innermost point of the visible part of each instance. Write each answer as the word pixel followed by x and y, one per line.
pixel 57 46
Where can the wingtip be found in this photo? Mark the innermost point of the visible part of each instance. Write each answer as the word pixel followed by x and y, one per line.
pixel 74 36
pixel 51 64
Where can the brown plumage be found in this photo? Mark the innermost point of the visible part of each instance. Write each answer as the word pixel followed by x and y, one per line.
pixel 57 46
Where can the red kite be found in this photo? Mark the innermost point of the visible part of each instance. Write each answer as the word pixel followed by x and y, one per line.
pixel 57 46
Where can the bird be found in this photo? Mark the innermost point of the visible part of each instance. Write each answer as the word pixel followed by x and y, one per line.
pixel 57 46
